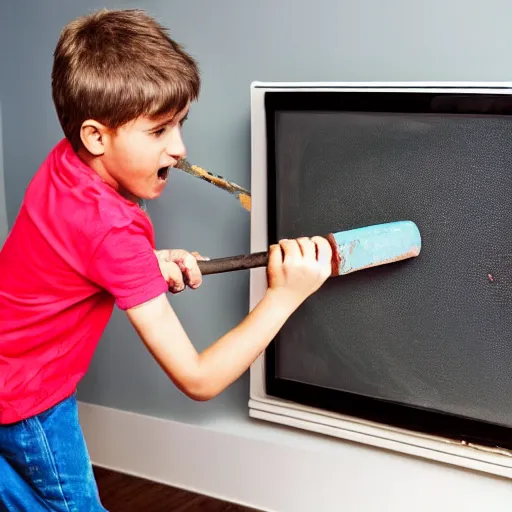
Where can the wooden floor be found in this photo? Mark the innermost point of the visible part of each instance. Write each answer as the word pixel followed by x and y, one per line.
pixel 123 493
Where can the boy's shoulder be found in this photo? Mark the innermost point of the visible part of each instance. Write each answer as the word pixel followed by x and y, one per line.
pixel 65 185
pixel 70 202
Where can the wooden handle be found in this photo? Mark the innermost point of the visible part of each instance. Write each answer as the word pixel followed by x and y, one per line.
pixel 242 262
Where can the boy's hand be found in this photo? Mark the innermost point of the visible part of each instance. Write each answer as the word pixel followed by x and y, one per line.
pixel 297 268
pixel 180 268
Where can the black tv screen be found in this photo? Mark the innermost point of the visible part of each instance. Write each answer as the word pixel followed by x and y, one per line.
pixel 424 343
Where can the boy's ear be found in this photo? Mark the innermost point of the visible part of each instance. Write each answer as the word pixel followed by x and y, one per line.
pixel 92 135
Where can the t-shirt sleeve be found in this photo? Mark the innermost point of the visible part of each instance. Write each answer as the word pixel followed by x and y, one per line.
pixel 125 265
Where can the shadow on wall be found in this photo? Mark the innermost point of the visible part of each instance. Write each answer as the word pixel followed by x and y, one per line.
pixel 3 209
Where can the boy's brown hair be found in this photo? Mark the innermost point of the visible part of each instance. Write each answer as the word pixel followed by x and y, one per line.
pixel 114 66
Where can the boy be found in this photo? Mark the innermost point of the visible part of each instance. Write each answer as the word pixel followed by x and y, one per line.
pixel 81 244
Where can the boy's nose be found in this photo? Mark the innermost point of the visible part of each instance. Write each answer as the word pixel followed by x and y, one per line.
pixel 176 147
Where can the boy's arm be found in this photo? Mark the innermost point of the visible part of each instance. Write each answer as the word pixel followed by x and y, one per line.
pixel 296 270
pixel 203 376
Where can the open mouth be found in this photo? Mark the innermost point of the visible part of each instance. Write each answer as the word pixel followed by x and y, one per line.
pixel 163 173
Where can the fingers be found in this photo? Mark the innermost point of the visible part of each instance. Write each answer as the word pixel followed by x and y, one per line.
pixel 275 256
pixel 188 266
pixel 315 248
pixel 299 267
pixel 324 249
pixel 312 249
pixel 180 268
pixel 198 257
pixel 324 253
pixel 173 275
pixel 291 250
pixel 308 248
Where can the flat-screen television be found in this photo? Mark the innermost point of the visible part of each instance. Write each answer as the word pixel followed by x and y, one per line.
pixel 423 344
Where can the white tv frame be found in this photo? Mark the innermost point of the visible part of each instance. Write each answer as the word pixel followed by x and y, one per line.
pixel 264 407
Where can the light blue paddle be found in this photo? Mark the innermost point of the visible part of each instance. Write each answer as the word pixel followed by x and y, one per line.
pixel 353 250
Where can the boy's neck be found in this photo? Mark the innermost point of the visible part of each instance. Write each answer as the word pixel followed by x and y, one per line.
pixel 97 166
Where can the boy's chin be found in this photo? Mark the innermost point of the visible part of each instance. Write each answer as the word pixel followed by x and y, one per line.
pixel 138 198
pixel 154 194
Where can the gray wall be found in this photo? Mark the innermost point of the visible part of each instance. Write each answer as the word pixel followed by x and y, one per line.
pixel 235 43
pixel 3 212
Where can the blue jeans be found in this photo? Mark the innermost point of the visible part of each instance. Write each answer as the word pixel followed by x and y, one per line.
pixel 44 464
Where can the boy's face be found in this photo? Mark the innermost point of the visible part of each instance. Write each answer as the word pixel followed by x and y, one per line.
pixel 136 158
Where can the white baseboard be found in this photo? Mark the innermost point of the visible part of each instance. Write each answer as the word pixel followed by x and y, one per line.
pixel 182 455
pixel 288 475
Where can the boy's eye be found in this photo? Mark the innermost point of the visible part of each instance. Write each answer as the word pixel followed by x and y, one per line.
pixel 159 132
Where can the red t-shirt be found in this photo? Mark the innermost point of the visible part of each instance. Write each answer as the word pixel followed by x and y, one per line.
pixel 77 248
